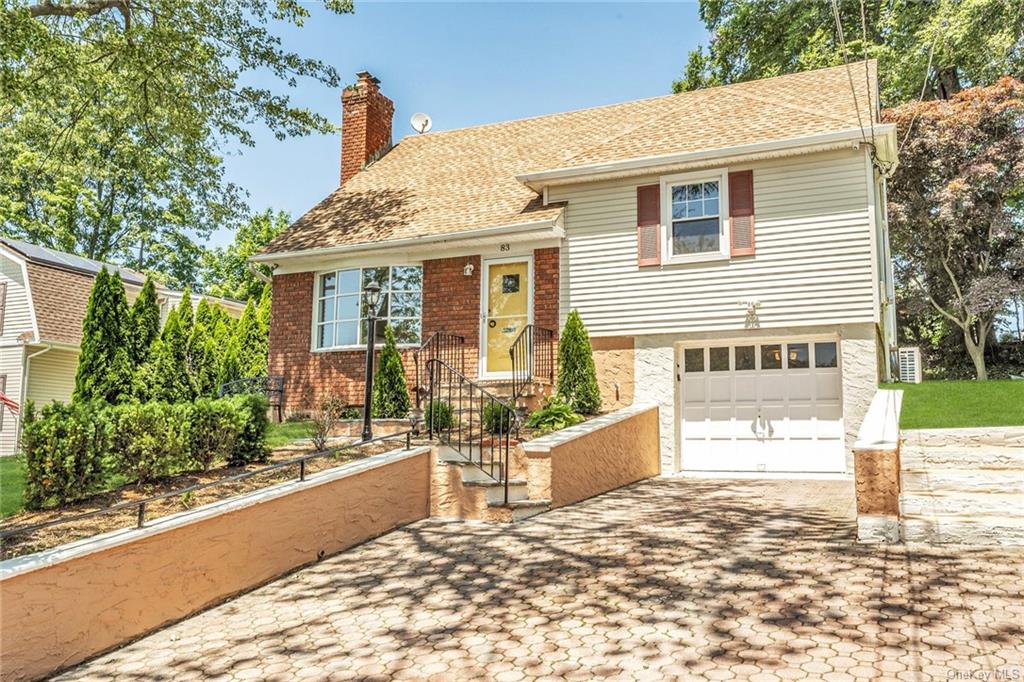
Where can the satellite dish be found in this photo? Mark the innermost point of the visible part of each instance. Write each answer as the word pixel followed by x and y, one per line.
pixel 420 123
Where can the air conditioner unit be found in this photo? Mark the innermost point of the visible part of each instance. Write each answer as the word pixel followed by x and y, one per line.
pixel 910 365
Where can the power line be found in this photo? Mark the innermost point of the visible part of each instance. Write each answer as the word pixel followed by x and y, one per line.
pixel 924 88
pixel 846 62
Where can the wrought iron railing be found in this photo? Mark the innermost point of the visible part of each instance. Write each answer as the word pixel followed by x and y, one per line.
pixel 272 387
pixel 140 505
pixel 449 348
pixel 533 358
pixel 470 420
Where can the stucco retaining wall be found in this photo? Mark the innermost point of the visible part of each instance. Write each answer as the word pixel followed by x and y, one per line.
pixel 64 605
pixel 596 456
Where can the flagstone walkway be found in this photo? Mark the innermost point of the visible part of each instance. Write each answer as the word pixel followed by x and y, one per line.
pixel 669 578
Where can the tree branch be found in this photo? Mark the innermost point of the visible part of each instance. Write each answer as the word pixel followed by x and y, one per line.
pixel 91 8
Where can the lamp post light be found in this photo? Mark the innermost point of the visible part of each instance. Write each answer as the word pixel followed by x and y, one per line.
pixel 372 291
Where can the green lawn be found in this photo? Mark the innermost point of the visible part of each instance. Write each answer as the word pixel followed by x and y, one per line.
pixel 286 432
pixel 12 469
pixel 12 482
pixel 956 404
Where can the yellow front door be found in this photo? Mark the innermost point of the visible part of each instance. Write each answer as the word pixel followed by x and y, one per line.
pixel 507 311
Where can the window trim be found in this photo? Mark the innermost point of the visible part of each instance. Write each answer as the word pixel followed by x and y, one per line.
pixel 720 175
pixel 315 314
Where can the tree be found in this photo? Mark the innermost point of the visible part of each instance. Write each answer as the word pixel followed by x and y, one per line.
pixel 226 271
pixel 251 344
pixel 201 361
pixel 165 375
pixel 145 324
pixel 186 315
pixel 577 377
pixel 954 203
pixel 390 391
pixel 115 117
pixel 104 363
pixel 971 42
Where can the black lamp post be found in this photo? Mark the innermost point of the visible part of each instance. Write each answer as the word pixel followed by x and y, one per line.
pixel 372 291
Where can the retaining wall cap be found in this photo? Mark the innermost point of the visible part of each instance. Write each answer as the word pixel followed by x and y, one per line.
pixel 553 440
pixel 97 543
pixel 880 430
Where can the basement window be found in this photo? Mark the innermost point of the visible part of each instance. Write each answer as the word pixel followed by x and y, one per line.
pixel 341 309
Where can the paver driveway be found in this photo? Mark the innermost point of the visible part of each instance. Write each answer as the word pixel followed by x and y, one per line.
pixel 667 578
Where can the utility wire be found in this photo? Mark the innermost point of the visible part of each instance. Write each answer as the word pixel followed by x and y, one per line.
pixel 924 88
pixel 846 61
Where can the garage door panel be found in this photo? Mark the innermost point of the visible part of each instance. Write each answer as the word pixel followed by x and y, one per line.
pixel 720 389
pixel 746 389
pixel 801 386
pixel 827 386
pixel 694 390
pixel 772 387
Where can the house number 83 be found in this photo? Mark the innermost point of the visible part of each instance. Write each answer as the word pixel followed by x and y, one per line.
pixel 504 247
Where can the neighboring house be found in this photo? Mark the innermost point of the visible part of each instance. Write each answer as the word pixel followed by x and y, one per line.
pixel 43 297
pixel 727 249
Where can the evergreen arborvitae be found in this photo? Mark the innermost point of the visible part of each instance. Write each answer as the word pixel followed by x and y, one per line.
pixel 252 358
pixel 104 363
pixel 390 392
pixel 186 316
pixel 263 324
pixel 577 378
pixel 205 314
pixel 165 376
pixel 201 359
pixel 145 324
pixel 229 367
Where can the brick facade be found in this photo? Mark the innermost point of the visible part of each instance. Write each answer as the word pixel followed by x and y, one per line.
pixel 451 303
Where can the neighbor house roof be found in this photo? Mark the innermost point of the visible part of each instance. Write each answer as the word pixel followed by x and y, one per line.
pixel 468 179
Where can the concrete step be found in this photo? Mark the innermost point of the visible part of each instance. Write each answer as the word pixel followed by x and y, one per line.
pixel 1008 436
pixel 495 490
pixel 961 457
pixel 1007 505
pixel 957 530
pixel 524 509
pixel 943 480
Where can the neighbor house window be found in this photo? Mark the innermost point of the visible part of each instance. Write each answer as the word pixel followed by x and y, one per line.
pixel 341 309
pixel 695 218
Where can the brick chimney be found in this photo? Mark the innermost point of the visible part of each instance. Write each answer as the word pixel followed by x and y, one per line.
pixel 365 124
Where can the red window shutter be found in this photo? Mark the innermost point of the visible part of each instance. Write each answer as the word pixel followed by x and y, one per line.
pixel 741 212
pixel 648 225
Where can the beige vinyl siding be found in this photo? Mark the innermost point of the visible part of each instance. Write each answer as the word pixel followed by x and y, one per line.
pixel 11 366
pixel 17 313
pixel 51 375
pixel 813 263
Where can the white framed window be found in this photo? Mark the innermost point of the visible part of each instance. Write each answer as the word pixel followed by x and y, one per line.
pixel 694 214
pixel 340 306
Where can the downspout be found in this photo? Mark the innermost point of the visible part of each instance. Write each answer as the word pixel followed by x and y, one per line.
pixel 26 365
pixel 259 275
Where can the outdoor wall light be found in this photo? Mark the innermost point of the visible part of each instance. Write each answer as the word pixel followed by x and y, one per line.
pixel 372 292
pixel 468 270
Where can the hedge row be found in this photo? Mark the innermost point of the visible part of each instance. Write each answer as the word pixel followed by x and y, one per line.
pixel 74 450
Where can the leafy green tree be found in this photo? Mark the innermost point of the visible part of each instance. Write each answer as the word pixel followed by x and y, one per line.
pixel 226 271
pixel 104 363
pixel 971 42
pixel 144 324
pixel 115 118
pixel 955 207
pixel 577 377
pixel 390 391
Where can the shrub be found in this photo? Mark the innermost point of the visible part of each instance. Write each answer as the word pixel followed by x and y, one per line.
pixel 390 391
pixel 213 427
pixel 323 419
pixel 439 415
pixel 352 412
pixel 64 448
pixel 251 444
pixel 497 418
pixel 556 414
pixel 150 440
pixel 104 363
pixel 577 378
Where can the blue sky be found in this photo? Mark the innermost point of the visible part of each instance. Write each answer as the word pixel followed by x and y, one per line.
pixel 464 64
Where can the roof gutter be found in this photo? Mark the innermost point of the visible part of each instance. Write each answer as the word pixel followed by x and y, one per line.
pixel 536 181
pixel 408 241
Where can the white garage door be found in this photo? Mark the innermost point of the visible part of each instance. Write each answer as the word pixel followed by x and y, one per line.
pixel 762 407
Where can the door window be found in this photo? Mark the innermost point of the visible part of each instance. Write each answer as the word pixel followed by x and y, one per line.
pixel 719 359
pixel 825 354
pixel 745 358
pixel 771 356
pixel 797 356
pixel 693 359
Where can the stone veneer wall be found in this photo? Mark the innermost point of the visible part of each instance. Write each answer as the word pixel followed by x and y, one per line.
pixel 591 458
pixel 451 303
pixel 655 370
pixel 65 605
pixel 614 361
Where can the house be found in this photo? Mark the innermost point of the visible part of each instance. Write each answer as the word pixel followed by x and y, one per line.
pixel 727 249
pixel 43 297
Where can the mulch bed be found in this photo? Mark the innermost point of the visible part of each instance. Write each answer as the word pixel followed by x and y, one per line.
pixel 54 536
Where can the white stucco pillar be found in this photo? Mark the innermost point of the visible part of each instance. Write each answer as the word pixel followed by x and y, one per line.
pixel 859 349
pixel 654 368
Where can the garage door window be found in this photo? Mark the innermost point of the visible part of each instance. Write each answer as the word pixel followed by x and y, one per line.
pixel 745 358
pixel 771 356
pixel 825 354
pixel 797 356
pixel 693 359
pixel 719 359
